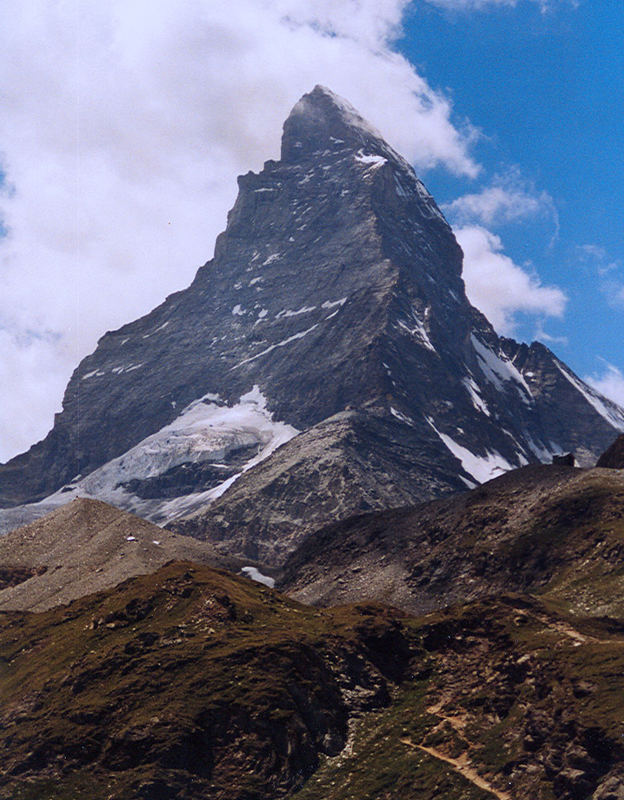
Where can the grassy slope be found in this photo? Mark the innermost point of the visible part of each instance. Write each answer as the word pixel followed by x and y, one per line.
pixel 195 683
pixel 193 680
pixel 511 691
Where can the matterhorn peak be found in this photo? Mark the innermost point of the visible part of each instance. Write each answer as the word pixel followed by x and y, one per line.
pixel 321 120
pixel 325 362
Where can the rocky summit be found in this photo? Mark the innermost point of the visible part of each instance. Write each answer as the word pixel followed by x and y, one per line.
pixel 325 362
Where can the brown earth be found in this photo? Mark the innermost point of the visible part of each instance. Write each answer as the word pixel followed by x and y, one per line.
pixel 192 683
pixel 550 530
pixel 86 546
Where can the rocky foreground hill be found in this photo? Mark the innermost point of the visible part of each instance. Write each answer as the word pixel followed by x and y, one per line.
pixel 190 682
pixel 552 531
pixel 86 546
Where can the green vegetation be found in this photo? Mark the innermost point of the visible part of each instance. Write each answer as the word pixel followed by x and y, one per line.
pixel 194 683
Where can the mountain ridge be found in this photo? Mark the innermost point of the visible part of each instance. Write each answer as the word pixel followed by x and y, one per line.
pixel 553 531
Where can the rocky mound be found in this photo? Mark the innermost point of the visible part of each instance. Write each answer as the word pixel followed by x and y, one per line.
pixel 613 457
pixel 552 530
pixel 83 547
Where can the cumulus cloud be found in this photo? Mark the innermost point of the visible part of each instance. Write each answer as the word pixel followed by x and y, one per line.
pixel 509 198
pixel 610 383
pixel 500 288
pixel 123 127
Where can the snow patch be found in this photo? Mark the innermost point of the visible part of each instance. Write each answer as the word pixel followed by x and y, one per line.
pixel 159 328
pixel 609 411
pixel 256 575
pixel 402 417
pixel 288 313
pixel 374 161
pixel 238 310
pixel 482 468
pixel 204 432
pixel 544 453
pixel 418 331
pixel 500 371
pixel 477 401
pixel 284 342
pixel 334 303
pixel 273 257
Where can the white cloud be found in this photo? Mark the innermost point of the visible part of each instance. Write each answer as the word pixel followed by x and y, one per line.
pixel 123 127
pixel 610 383
pixel 470 5
pixel 510 198
pixel 614 292
pixel 543 336
pixel 500 288
pixel 597 260
pixel 481 5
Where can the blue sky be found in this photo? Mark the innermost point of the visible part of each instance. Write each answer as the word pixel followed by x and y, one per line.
pixel 546 91
pixel 124 125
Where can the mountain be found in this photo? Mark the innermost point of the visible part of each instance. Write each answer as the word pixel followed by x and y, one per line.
pixel 552 531
pixel 325 362
pixel 613 456
pixel 192 683
pixel 86 546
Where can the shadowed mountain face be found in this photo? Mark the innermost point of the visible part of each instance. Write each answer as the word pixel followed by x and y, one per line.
pixel 334 309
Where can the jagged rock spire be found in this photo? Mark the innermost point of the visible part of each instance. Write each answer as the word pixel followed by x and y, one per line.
pixel 319 119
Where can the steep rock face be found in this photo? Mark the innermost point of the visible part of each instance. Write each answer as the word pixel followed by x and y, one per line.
pixel 335 287
pixel 613 456
pixel 348 464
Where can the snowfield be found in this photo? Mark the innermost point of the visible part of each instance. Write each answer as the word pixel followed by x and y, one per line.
pixel 206 431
